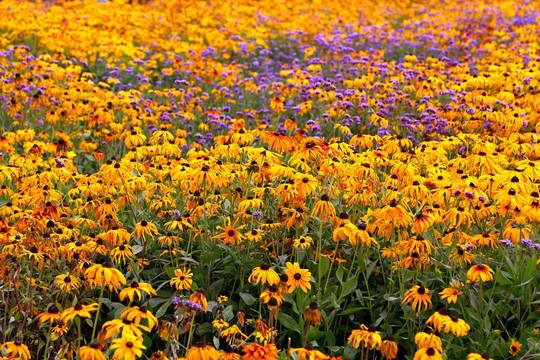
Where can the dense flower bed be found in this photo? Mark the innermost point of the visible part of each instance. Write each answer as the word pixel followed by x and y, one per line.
pixel 261 180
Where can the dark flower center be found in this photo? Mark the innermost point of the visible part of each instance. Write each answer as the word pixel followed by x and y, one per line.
pixel 421 290
pixel 430 351
pixel 134 285
pixel 129 344
pixel 297 276
pixel 372 328
pixel 313 306
pixel 231 232
pixel 264 266
pixel 78 307
pixel 480 267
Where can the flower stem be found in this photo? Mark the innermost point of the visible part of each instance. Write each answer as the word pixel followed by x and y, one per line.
pixel 97 313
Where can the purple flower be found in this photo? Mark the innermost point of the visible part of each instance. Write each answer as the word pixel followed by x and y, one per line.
pixel 468 247
pixel 507 242
pixel 469 195
pixel 258 214
pixel 528 243
pixel 481 198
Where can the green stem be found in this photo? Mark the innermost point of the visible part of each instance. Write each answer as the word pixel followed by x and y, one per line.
pixel 97 313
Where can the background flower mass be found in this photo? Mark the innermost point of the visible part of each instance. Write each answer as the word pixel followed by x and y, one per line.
pixel 269 180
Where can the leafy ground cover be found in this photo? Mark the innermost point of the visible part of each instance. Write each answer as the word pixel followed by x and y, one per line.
pixel 262 180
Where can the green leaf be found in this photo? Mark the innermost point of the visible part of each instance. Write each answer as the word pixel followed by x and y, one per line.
pixel 350 286
pixel 529 271
pixel 325 264
pixel 161 311
pixel 288 322
pixel 339 274
pixel 248 298
pixel 228 313
pixel 350 311
pixel 170 271
pixel 501 279
pixel 314 334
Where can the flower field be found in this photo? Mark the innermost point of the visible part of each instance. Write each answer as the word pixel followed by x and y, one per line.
pixel 251 180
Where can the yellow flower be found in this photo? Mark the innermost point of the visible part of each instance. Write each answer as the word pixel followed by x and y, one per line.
pixel 137 314
pixel 297 277
pixel 145 228
pixel 264 274
pixel 17 348
pixel 91 352
pixel 202 351
pixel 480 272
pixel 369 336
pixel 105 275
pixel 427 354
pixel 127 347
pixel 182 279
pixel 78 310
pixel 136 288
pixel 419 296
pixel 515 348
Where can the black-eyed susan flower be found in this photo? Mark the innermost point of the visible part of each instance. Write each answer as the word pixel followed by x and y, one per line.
pixel 136 288
pixel 260 352
pixel 368 336
pixel 420 298
pixel 137 314
pixel 272 292
pixel 297 277
pixel 182 279
pixel 438 319
pixel 230 234
pixel 128 347
pixel 479 273
pixel 199 298
pixel 303 242
pixel 123 328
pixel 230 353
pixel 458 327
pixel 17 348
pixel 389 347
pixel 232 332
pixel 451 294
pixel 123 253
pixel 312 315
pixel 105 275
pixel 202 351
pixel 264 274
pixel 220 324
pixel 52 314
pixel 427 354
pixel 144 229
pixel 307 353
pixel 515 347
pixel 323 208
pixel 475 356
pixel 91 352
pixel 255 235
pixel 428 340
pixel 78 310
